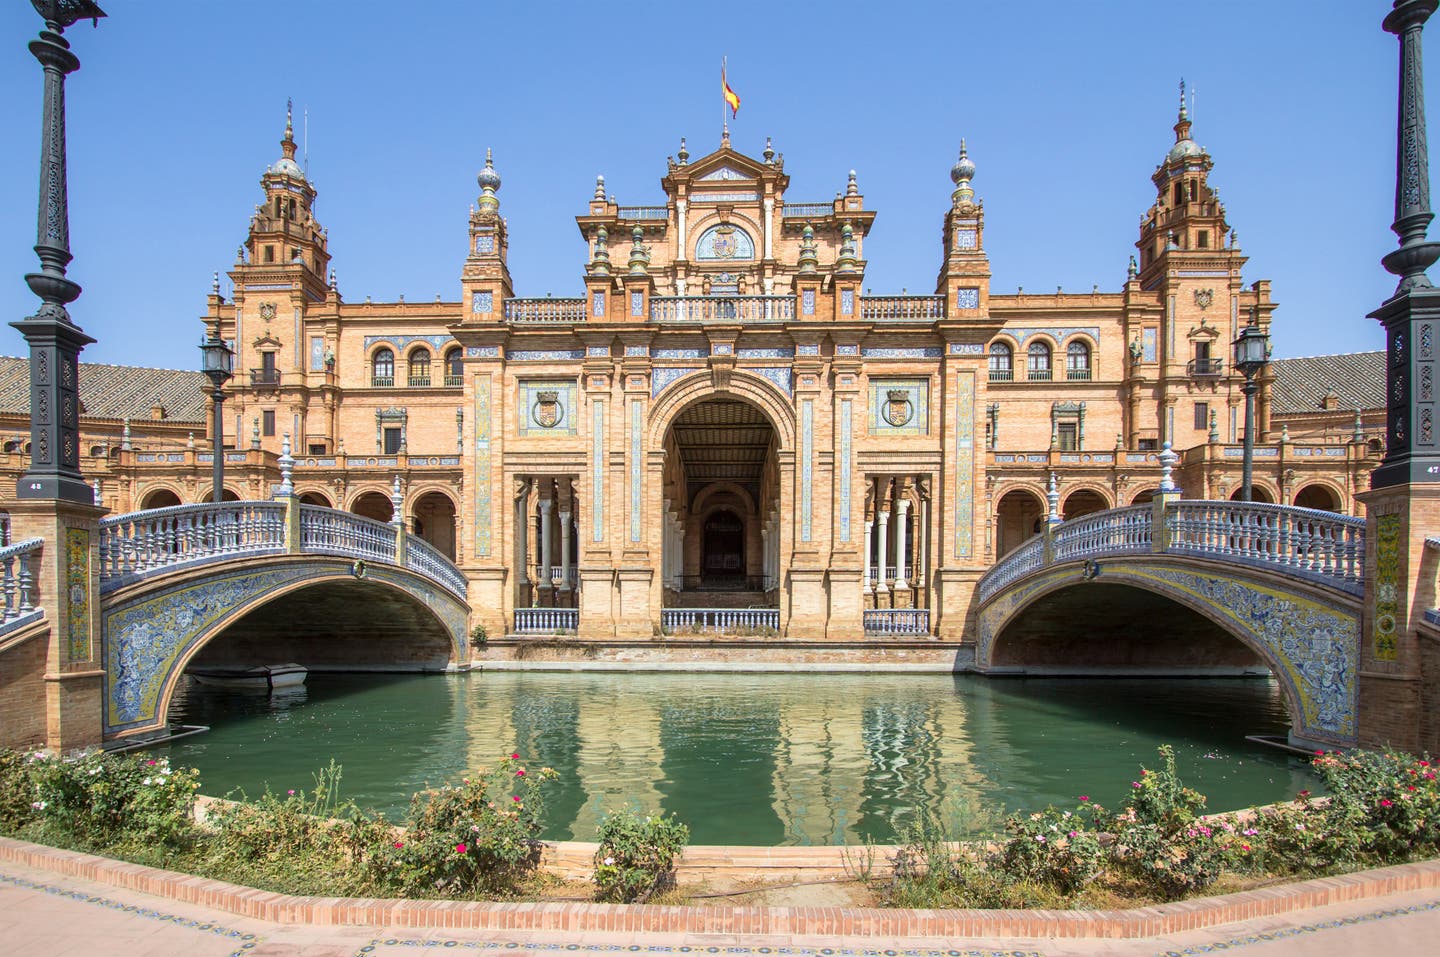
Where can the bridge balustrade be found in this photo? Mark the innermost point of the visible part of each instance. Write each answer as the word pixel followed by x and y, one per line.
pixel 720 620
pixel 1306 543
pixel 19 588
pixel 422 557
pixel 156 538
pixel 1307 540
pixel 333 532
pixel 896 622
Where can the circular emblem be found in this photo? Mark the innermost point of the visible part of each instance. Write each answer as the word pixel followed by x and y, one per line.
pixel 899 410
pixel 267 311
pixel 547 411
pixel 1385 624
pixel 358 569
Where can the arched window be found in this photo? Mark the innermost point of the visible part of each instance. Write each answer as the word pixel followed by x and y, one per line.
pixel 419 368
pixel 454 366
pixel 1002 367
pixel 1077 361
pixel 383 368
pixel 1039 365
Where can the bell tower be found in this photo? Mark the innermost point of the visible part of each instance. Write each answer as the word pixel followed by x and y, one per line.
pixel 965 276
pixel 284 233
pixel 485 277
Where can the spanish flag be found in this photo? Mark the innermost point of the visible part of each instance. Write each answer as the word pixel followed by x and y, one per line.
pixel 731 98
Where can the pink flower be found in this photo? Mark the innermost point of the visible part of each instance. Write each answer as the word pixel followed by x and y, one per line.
pixel 1304 794
pixel 460 848
pixel 515 756
pixel 399 844
pixel 520 773
pixel 515 798
pixel 1385 802
pixel 150 763
pixel 1244 847
pixel 1134 784
pixel 1320 754
pixel 1423 764
pixel 1084 797
pixel 291 792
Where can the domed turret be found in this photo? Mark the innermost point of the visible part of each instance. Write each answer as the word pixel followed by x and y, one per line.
pixel 286 165
pixel 1184 146
pixel 489 180
pixel 961 174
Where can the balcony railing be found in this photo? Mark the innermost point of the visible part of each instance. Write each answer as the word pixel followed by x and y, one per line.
pixel 547 309
pixel 644 212
pixel 1204 367
pixel 1078 375
pixel 1002 375
pixel 1038 375
pixel 547 621
pixel 454 381
pixel 904 308
pixel 419 381
pixel 807 210
pixel 729 621
pixel 896 622
pixel 727 308
pixel 260 378
pixel 382 381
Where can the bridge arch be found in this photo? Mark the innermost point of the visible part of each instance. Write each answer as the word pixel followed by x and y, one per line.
pixel 1307 635
pixel 153 629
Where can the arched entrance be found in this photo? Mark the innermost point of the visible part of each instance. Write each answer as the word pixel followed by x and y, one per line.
pixel 315 498
pixel 374 505
pixel 162 498
pixel 722 546
pixel 1258 493
pixel 1083 502
pixel 1017 517
pixel 1319 497
pixel 226 495
pixel 433 519
pixel 722 503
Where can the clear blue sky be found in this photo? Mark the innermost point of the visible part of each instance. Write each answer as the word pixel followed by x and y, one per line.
pixel 1067 107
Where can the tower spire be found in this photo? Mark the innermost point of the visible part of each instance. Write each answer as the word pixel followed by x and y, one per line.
pixel 287 142
pixel 1182 121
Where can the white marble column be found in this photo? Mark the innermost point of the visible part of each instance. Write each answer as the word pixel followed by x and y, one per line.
pixel 545 541
pixel 883 516
pixel 565 529
pixel 902 510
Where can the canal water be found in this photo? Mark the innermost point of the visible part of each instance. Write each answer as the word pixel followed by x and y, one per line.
pixel 759 759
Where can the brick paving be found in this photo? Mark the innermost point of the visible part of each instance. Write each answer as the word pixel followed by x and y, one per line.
pixel 50 905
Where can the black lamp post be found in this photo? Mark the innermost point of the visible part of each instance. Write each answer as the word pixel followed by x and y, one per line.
pixel 218 363
pixel 1252 352
pixel 55 342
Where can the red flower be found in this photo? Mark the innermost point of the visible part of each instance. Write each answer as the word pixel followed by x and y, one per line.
pixel 515 757
pixel 460 848
pixel 1385 802
pixel 1084 797
pixel 520 773
pixel 1320 754
pixel 515 798
pixel 399 844
pixel 1305 794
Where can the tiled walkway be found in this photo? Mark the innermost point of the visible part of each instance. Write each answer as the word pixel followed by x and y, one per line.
pixel 45 913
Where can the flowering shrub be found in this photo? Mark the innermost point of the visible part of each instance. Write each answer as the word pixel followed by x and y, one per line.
pixel 479 835
pixel 1160 838
pixel 97 799
pixel 636 856
pixel 1392 800
pixel 1055 847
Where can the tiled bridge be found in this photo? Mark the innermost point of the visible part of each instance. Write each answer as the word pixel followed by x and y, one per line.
pixel 171 579
pixel 1099 594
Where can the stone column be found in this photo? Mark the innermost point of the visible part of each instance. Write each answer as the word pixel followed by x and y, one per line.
pixel 865 575
pixel 883 516
pixel 902 510
pixel 769 233
pixel 522 530
pixel 680 206
pixel 565 529
pixel 545 506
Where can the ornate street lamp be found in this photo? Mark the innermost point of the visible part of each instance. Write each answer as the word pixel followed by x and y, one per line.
pixel 55 342
pixel 218 363
pixel 1252 353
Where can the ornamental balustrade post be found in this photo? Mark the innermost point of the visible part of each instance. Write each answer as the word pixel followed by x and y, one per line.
pixel 1161 531
pixel 293 540
pixel 1052 519
pixel 397 519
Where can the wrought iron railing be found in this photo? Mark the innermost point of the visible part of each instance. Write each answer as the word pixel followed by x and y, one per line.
pixel 728 621
pixel 264 377
pixel 727 308
pixel 547 309
pixel 895 622
pixel 19 584
pixel 547 621
pixel 161 538
pixel 1204 367
pixel 1321 546
pixel 913 308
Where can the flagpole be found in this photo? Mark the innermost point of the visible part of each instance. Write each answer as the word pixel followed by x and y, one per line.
pixel 724 120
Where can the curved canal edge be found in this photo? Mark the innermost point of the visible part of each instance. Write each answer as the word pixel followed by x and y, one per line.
pixel 1143 922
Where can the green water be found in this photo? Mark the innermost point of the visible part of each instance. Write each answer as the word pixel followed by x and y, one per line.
pixel 751 759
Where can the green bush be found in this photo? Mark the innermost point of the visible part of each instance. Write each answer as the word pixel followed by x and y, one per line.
pixel 479 836
pixel 636 856
pixel 94 800
pixel 931 871
pixel 1055 847
pixel 1160 839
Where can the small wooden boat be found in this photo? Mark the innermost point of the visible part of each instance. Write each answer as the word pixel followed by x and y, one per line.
pixel 263 678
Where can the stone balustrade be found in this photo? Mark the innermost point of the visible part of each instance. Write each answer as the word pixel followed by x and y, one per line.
pixel 896 622
pixel 547 309
pixel 904 308
pixel 720 620
pixel 19 587
pixel 546 621
pixel 1326 547
pixel 807 210
pixel 726 308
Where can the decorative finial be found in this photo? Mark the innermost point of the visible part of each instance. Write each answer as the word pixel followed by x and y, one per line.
pixel 846 261
pixel 1052 496
pixel 684 154
pixel 332 277
pixel 190 440
pixel 215 283
pixel 489 181
pixel 289 124
pixel 397 503
pixel 1132 270
pixel 287 463
pixel 1184 113
pixel 599 196
pixel 769 153
pixel 99 499
pixel 125 436
pixel 1357 434
pixel 961 174
pixel 600 262
pixel 851 188
pixel 240 255
pixel 255 432
pixel 1168 461
pixel 639 253
pixel 1214 435
pixel 1285 432
pixel 809 261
